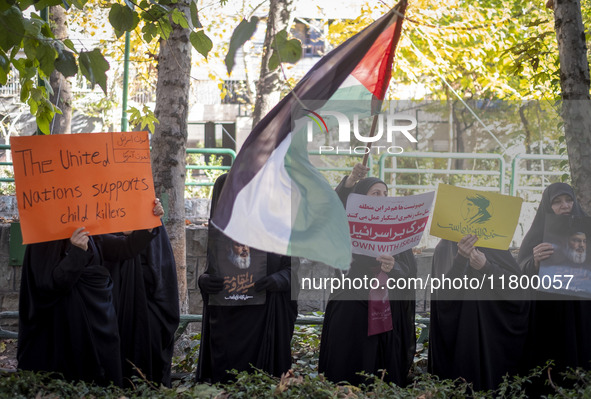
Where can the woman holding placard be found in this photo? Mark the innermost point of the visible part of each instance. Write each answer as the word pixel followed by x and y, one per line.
pixel 477 333
pixel 67 322
pixel 560 327
pixel 370 330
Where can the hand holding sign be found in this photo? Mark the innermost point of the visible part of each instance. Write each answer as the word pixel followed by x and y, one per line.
pixel 466 245
pixel 387 262
pixel 80 238
pixel 158 210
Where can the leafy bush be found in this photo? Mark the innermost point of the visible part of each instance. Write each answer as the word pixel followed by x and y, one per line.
pixel 294 384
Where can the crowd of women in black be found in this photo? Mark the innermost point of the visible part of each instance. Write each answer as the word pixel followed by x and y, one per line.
pixel 69 323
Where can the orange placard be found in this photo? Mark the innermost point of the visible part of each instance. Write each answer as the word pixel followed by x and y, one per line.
pixel 100 181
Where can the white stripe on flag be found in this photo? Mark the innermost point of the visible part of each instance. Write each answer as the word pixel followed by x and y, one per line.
pixel 267 200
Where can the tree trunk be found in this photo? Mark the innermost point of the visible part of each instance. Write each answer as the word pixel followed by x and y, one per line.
pixel 268 91
pixel 527 132
pixel 169 141
pixel 62 90
pixel 576 106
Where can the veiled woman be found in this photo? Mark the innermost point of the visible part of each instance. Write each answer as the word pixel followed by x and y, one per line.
pixel 560 326
pixel 353 341
pixel 243 337
pixel 478 335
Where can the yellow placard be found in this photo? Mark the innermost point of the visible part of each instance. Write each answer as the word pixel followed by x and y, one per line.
pixel 490 216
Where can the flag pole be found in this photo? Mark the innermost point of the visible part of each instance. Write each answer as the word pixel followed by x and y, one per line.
pixel 376 116
pixel 371 134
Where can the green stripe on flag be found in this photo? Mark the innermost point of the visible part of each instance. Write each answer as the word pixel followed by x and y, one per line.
pixel 320 221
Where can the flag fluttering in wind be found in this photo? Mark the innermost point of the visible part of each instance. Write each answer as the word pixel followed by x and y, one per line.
pixel 274 199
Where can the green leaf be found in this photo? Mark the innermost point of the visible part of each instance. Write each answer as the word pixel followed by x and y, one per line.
pixel 24 4
pixel 26 86
pixel 12 28
pixel 284 50
pixel 164 29
pixel 41 4
pixel 149 31
pixel 4 64
pixel 69 44
pixel 201 42
pixel 153 13
pixel 46 56
pixel 46 30
pixel 66 63
pixel 123 19
pixel 241 34
pixel 79 4
pixel 148 120
pixel 3 70
pixel 273 61
pixel 94 67
pixel 179 18
pixel 195 15
pixel 45 110
pixel 33 27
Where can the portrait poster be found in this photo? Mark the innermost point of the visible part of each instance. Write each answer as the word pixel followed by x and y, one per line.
pixel 100 181
pixel 240 266
pixel 568 269
pixel 387 225
pixel 461 211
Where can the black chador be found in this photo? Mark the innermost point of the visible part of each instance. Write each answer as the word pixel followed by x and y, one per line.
pixel 474 335
pixel 67 321
pixel 241 337
pixel 146 298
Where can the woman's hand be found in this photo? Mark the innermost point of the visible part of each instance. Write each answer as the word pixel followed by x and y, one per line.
pixel 158 209
pixel 466 245
pixel 359 172
pixel 80 238
pixel 387 262
pixel 477 259
pixel 542 252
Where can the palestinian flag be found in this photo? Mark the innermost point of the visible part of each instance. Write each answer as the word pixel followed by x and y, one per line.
pixel 274 199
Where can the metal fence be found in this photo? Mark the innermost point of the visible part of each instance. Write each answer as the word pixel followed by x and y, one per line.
pixel 489 168
pixel 405 173
pixel 540 171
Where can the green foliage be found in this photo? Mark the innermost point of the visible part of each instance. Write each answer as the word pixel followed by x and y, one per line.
pixel 94 67
pixel 305 346
pixel 192 190
pixel 294 384
pixel 241 34
pixel 284 50
pixel 66 63
pixel 26 32
pixel 12 28
pixel 201 42
pixel 143 119
pixel 188 362
pixel 123 18
pixel 195 15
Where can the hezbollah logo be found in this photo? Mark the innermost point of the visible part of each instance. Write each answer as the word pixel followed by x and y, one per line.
pixel 476 209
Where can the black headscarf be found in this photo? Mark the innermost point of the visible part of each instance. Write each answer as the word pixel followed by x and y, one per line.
pixel 363 185
pixel 535 235
pixel 216 192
